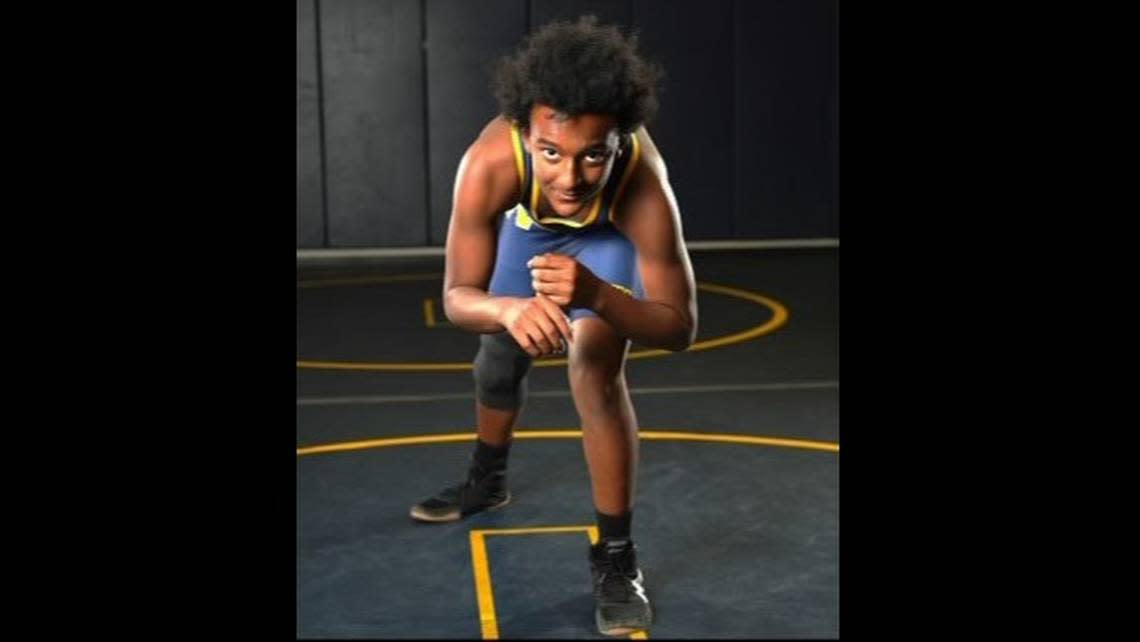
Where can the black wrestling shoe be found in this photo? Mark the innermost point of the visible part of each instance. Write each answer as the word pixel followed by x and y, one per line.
pixel 482 491
pixel 622 606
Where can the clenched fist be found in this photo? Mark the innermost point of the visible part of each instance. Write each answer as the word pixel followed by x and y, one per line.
pixel 563 280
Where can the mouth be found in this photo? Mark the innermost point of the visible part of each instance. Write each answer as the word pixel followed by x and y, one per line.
pixel 570 197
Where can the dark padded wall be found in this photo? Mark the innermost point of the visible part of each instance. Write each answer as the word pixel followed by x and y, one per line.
pixel 310 209
pixel 748 122
pixel 372 71
pixel 465 39
pixel 615 12
pixel 785 143
pixel 693 128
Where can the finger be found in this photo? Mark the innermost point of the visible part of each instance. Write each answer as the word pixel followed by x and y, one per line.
pixel 540 287
pixel 550 332
pixel 545 274
pixel 558 317
pixel 534 331
pixel 533 349
pixel 559 292
pixel 547 260
pixel 559 329
pixel 525 342
pixel 554 296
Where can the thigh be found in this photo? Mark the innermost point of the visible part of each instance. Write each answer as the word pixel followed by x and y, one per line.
pixel 612 258
pixel 516 246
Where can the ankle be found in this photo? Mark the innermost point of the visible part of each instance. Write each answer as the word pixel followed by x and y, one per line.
pixel 614 527
pixel 490 458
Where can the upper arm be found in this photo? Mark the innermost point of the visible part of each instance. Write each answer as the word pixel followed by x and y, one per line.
pixel 486 184
pixel 649 216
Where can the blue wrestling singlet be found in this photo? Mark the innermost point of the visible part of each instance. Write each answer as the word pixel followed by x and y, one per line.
pixel 594 242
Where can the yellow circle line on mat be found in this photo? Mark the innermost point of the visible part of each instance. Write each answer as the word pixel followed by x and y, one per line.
pixel 651 435
pixel 779 318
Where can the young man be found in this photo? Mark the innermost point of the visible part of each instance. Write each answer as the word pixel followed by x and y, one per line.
pixel 565 237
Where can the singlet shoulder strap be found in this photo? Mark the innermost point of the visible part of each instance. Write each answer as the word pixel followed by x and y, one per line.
pixel 613 192
pixel 522 162
pixel 601 210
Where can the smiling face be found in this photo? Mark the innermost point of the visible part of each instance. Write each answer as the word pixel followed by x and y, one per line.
pixel 573 156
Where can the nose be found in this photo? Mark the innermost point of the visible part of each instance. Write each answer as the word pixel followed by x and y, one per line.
pixel 571 177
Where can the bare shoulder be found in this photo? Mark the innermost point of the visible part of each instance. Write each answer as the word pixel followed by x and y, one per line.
pixel 489 168
pixel 494 150
pixel 651 158
pixel 647 193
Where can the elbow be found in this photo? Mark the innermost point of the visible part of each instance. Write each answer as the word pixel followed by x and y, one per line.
pixel 449 307
pixel 684 339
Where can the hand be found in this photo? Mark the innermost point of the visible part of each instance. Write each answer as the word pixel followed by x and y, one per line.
pixel 537 324
pixel 563 280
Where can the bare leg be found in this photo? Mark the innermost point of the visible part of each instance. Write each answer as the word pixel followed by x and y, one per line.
pixel 495 426
pixel 609 425
pixel 485 487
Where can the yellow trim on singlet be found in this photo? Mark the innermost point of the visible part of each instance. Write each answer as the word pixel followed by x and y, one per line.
pixel 597 207
pixel 636 154
pixel 533 191
pixel 523 218
pixel 594 209
pixel 518 148
pixel 622 288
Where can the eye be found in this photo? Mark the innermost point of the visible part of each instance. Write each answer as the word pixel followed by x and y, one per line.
pixel 549 154
pixel 597 156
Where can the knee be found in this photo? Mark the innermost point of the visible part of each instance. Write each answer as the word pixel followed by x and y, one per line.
pixel 596 384
pixel 500 372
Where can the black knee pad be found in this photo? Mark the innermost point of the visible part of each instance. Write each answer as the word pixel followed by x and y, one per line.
pixel 500 372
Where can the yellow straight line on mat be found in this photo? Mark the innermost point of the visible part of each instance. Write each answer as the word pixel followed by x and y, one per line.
pixel 531 531
pixel 429 313
pixel 485 594
pixel 486 597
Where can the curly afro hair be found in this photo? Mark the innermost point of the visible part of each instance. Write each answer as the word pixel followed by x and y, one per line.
pixel 578 68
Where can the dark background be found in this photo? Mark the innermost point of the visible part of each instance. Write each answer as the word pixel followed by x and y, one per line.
pixel 391 92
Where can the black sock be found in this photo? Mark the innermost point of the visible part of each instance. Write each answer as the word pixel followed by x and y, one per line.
pixel 614 527
pixel 491 458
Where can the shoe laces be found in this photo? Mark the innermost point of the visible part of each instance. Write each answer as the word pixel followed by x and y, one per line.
pixel 470 487
pixel 617 568
pixel 458 491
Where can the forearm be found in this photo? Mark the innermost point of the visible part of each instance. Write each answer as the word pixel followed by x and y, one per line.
pixel 648 323
pixel 473 309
